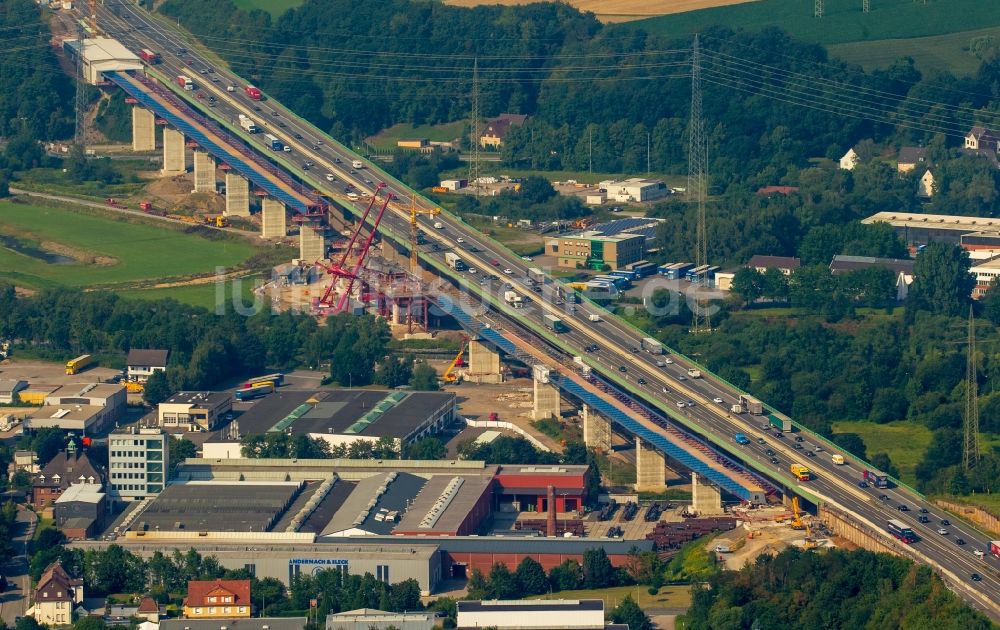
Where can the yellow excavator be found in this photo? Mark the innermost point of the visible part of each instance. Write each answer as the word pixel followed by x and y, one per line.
pixel 449 375
pixel 796 515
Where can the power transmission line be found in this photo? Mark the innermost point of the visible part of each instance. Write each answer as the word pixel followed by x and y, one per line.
pixel 970 449
pixel 474 157
pixel 697 165
pixel 818 9
pixel 866 6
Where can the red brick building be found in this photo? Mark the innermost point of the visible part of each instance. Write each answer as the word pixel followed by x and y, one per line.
pixel 65 469
pixel 526 487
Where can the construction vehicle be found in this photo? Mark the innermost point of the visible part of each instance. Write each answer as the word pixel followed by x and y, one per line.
pixel 114 203
pixel 796 515
pixel 449 375
pixel 132 387
pixel 218 221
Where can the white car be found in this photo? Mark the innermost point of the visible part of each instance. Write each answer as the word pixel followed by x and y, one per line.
pixel 528 258
pixel 979 553
pixel 668 361
pixel 461 240
pixel 330 177
pixel 943 531
pixel 508 271
pixel 472 271
pixel 718 400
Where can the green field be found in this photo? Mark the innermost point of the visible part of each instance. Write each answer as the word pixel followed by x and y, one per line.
pixel 905 442
pixel 445 132
pixel 274 7
pixel 843 20
pixel 950 52
pixel 130 251
pixel 205 295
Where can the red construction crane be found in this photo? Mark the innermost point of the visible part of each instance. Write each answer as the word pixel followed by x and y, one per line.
pixel 339 269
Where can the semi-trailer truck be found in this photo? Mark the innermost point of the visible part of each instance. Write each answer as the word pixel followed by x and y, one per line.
pixel 652 346
pixel 253 93
pixel 781 424
pixel 751 405
pixel 248 124
pixel 274 143
pixel 876 479
pixel 536 275
pixel 454 261
pixel 555 324
pixel 995 548
pixel 185 82
pixel 76 365
pixel 149 56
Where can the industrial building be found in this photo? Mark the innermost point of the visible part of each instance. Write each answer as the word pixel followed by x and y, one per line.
pixel 194 411
pixel 339 416
pixel 371 619
pixel 9 388
pixel 87 408
pixel 252 623
pixel 972 233
pixel 635 189
pixel 138 463
pixel 785 264
pixel 100 55
pixel 79 511
pixel 593 250
pixel 534 614
pixel 902 269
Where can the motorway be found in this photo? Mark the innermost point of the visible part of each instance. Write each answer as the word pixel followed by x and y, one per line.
pixel 663 387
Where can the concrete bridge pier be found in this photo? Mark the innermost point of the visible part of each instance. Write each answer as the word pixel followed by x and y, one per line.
pixel 546 398
pixel 143 130
pixel 204 171
pixel 596 430
pixel 484 364
pixel 650 468
pixel 273 222
pixel 174 160
pixel 312 243
pixel 237 195
pixel 706 499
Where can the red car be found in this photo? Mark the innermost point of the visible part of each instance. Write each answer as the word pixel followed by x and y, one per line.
pixel 495 262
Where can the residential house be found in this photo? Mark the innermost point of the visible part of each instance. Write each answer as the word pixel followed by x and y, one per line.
pixel 497 129
pixel 217 599
pixel 148 610
pixel 981 139
pixel 909 158
pixel 902 268
pixel 65 469
pixel 55 596
pixel 927 186
pixel 141 364
pixel 849 160
pixel 784 264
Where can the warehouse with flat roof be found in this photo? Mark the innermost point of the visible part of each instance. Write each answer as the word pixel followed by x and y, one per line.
pixel 339 416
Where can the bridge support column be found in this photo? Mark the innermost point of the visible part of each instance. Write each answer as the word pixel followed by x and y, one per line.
pixel 272 222
pixel 237 195
pixel 706 499
pixel 546 398
pixel 650 468
pixel 204 172
pixel 312 244
pixel 174 162
pixel 143 130
pixel 596 430
pixel 484 364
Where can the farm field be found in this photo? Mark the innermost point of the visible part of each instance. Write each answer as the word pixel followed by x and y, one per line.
pixel 274 7
pixel 935 53
pixel 94 250
pixel 843 20
pixel 204 295
pixel 905 442
pixel 618 10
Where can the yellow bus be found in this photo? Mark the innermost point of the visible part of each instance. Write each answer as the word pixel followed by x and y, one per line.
pixel 78 364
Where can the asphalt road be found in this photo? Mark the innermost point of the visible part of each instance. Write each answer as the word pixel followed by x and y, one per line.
pixel 663 387
pixel 14 601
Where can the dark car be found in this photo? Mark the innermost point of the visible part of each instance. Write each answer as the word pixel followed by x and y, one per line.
pixel 761 441
pixel 976 577
pixel 770 452
pixel 945 522
pixel 779 435
pixel 622 368
pixel 810 454
pixel 862 484
pixel 799 438
pixel 923 510
pixel 774 460
pixel 298 136
pixel 641 381
pixel 923 519
pixel 797 446
pixel 903 508
pixel 256 108
pixel 182 51
pixel 959 541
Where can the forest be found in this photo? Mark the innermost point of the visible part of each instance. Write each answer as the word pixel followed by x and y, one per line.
pixel 830 589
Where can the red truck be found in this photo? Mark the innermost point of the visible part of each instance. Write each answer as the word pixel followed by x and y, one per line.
pixel 995 548
pixel 149 56
pixel 185 82
pixel 253 92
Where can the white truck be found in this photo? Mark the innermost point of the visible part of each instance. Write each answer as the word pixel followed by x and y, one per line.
pixel 358 164
pixel 594 317
pixel 513 298
pixel 454 261
pixel 837 459
pixel 248 124
pixel 693 373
